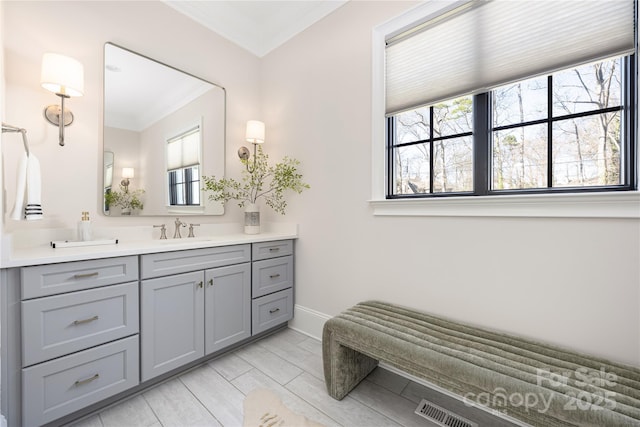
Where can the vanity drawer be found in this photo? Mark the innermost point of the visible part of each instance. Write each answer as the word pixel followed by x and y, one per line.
pixel 43 280
pixel 62 324
pixel 166 263
pixel 271 275
pixel 271 310
pixel 53 389
pixel 265 250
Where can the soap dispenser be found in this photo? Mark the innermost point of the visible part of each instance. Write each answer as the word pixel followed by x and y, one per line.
pixel 84 228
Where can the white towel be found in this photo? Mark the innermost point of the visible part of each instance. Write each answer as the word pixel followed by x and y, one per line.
pixel 18 207
pixel 33 210
pixel 28 182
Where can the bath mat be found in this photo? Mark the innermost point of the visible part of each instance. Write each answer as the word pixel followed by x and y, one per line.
pixel 263 408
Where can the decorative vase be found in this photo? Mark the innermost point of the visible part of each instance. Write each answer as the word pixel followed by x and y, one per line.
pixel 125 211
pixel 251 218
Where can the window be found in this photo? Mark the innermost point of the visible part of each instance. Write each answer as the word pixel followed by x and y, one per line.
pixel 432 148
pixel 183 168
pixel 565 131
pixel 184 187
pixel 475 105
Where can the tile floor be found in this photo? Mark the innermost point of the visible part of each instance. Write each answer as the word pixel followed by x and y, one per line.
pixel 290 364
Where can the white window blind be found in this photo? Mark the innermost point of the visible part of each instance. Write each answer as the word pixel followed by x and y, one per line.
pixel 484 44
pixel 184 149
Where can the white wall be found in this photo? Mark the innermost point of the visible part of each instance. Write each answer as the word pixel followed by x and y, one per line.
pixel 2 115
pixel 126 144
pixel 72 174
pixel 573 282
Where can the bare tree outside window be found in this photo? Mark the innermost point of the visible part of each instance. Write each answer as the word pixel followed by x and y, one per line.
pixel 588 150
pixel 433 152
pixel 560 131
pixel 581 127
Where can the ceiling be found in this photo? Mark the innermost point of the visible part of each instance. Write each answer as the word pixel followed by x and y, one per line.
pixel 131 97
pixel 258 26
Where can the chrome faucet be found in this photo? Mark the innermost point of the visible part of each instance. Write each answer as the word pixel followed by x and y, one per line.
pixel 176 234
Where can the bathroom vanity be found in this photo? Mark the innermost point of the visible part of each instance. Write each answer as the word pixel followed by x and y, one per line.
pixel 84 328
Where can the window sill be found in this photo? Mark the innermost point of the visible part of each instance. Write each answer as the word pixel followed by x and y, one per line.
pixel 593 205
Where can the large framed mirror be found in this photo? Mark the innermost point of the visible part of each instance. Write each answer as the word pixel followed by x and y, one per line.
pixel 163 130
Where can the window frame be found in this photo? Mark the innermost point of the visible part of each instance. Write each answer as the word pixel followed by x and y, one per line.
pixel 483 129
pixel 595 203
pixel 186 130
pixel 189 196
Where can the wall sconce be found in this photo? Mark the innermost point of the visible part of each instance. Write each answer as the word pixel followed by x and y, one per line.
pixel 127 173
pixel 63 76
pixel 254 135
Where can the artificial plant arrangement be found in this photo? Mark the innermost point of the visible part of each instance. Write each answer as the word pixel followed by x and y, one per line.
pixel 259 180
pixel 125 199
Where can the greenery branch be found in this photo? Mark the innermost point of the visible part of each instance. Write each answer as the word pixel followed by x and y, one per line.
pixel 263 181
pixel 125 198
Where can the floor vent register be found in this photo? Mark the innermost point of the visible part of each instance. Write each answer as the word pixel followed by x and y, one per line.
pixel 441 416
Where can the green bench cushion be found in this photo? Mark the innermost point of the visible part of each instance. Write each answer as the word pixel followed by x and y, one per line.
pixel 535 382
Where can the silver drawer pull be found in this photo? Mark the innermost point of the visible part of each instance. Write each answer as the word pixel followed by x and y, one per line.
pixel 274 276
pixel 274 249
pixel 88 380
pixel 85 275
pixel 90 319
pixel 274 310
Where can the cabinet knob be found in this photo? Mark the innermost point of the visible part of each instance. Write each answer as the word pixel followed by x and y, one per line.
pixel 200 285
pixel 274 310
pixel 210 282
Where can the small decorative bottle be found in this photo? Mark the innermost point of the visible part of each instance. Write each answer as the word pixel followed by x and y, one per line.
pixel 84 228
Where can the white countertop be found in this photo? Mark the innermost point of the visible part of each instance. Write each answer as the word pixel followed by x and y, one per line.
pixel 45 254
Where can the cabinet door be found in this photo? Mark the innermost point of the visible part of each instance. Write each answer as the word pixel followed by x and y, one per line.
pixel 172 322
pixel 228 306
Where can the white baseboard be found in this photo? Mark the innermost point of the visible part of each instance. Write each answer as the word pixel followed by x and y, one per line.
pixel 308 321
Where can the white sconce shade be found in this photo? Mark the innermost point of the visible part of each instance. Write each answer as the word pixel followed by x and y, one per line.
pixel 255 132
pixel 127 172
pixel 62 75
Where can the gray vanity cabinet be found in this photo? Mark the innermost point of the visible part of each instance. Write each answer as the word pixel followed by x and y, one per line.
pixel 227 306
pixel 79 334
pixel 171 322
pixel 272 285
pixel 189 315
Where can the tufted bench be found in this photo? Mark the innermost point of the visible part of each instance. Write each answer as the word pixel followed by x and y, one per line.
pixel 537 383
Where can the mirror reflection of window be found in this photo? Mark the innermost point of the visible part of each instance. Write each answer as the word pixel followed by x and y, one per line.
pixel 183 168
